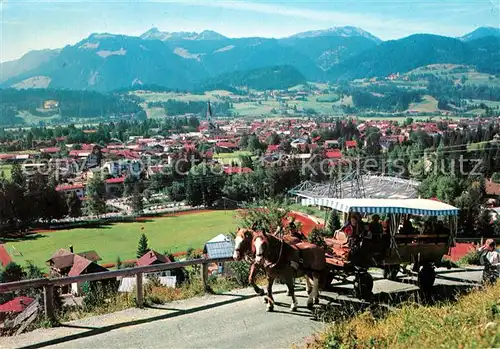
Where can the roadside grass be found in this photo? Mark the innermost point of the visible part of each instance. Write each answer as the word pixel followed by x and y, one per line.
pixel 471 322
pixel 174 234
pixel 471 258
pixel 155 294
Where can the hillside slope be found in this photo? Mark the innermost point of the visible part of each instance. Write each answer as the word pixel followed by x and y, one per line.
pixel 417 51
pixel 270 78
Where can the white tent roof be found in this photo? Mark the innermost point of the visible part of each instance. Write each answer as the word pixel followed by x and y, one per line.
pixel 219 238
pixel 422 207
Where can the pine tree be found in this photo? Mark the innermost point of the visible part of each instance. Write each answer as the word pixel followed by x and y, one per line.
pixel 74 205
pixel 135 200
pixel 333 222
pixel 96 192
pixel 142 248
pixel 118 263
pixel 483 226
pixel 17 175
pixel 12 272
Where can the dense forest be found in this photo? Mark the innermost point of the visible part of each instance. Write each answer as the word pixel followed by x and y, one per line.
pixel 8 116
pixel 104 132
pixel 447 89
pixel 268 78
pixel 381 98
pixel 78 104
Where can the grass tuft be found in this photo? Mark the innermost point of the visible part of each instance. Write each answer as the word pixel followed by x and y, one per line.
pixel 471 322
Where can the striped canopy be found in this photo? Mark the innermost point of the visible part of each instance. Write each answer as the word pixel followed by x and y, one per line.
pixel 422 207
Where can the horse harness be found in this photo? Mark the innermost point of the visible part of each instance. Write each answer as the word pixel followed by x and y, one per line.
pixel 294 264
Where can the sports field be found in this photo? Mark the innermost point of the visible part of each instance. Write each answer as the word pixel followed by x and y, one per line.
pixel 5 171
pixel 176 233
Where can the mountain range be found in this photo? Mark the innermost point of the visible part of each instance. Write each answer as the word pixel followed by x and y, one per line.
pixel 188 60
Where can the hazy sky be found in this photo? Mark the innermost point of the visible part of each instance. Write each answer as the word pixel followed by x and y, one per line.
pixel 37 24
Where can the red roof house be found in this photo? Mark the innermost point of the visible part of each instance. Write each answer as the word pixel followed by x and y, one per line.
pixel 7 156
pixel 492 188
pixel 152 257
pixel 228 145
pixel 51 150
pixel 82 265
pixel 333 154
pixel 236 170
pixel 17 305
pixel 115 180
pixel 351 144
pixel 272 148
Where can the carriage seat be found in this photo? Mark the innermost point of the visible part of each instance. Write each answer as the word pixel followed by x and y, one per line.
pixel 339 239
pixel 339 245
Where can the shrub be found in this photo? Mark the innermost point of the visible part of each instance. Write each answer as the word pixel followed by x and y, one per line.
pixel 471 258
pixel 317 237
pixel 98 292
pixel 269 215
pixel 496 177
pixel 447 263
pixel 239 272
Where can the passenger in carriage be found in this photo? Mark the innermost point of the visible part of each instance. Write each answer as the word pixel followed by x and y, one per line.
pixel 407 228
pixel 352 228
pixel 375 227
pixel 441 231
pixel 427 229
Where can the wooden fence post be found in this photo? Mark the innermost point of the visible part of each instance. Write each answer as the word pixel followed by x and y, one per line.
pixel 48 301
pixel 204 276
pixel 140 290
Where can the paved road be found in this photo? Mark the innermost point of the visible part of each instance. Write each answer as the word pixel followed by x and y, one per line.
pixel 236 320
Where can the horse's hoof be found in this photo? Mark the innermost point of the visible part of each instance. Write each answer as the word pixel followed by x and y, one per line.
pixel 265 300
pixel 293 307
pixel 261 292
pixel 269 308
pixel 316 301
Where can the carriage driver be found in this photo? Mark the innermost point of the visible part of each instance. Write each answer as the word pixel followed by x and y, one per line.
pixel 294 231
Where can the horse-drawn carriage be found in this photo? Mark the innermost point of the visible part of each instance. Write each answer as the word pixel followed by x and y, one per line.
pixel 392 249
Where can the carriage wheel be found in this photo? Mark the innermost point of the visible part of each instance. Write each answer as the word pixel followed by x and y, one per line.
pixel 426 277
pixel 363 286
pixel 391 272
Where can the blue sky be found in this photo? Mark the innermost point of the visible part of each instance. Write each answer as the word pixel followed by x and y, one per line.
pixel 37 24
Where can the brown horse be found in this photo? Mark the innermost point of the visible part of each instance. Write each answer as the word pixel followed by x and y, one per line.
pixel 243 250
pixel 282 260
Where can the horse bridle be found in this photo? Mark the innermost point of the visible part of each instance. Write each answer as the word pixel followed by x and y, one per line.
pixel 279 257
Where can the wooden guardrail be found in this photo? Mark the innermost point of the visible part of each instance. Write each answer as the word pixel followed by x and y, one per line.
pixel 48 284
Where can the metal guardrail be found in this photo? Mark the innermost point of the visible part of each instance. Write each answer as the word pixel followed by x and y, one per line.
pixel 48 284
